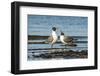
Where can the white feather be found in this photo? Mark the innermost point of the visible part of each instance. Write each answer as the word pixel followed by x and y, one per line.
pixel 62 39
pixel 55 37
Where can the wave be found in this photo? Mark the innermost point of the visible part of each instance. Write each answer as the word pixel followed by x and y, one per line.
pixel 38 37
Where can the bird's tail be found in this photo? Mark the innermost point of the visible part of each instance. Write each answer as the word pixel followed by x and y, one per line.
pixel 74 40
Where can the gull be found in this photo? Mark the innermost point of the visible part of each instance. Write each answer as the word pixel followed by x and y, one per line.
pixel 66 39
pixel 53 38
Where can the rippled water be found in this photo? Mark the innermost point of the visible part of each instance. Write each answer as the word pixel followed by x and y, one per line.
pixel 80 45
pixel 39 49
pixel 71 25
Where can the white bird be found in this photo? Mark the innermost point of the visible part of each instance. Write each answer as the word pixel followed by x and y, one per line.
pixel 53 38
pixel 66 39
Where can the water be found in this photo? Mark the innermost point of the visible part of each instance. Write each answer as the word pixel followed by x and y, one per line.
pixel 80 45
pixel 38 49
pixel 41 25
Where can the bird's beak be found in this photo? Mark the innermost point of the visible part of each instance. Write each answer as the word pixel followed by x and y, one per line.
pixel 57 28
pixel 60 31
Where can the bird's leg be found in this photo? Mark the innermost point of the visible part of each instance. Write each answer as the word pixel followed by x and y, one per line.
pixel 71 43
pixel 51 45
pixel 65 46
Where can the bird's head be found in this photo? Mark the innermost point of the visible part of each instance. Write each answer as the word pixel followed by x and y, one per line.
pixel 54 28
pixel 62 33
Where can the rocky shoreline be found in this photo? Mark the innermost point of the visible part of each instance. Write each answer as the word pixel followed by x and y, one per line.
pixel 60 54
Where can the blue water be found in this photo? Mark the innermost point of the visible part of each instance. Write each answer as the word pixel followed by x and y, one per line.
pixel 70 25
pixel 80 45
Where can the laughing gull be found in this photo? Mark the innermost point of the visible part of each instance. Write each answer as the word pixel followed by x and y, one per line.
pixel 66 39
pixel 53 38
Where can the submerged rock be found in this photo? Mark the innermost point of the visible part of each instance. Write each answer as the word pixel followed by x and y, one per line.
pixel 66 54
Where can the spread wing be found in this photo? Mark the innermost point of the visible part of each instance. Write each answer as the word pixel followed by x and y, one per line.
pixel 50 39
pixel 68 39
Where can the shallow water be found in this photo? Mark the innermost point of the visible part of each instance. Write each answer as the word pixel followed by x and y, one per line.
pixel 81 43
pixel 38 49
